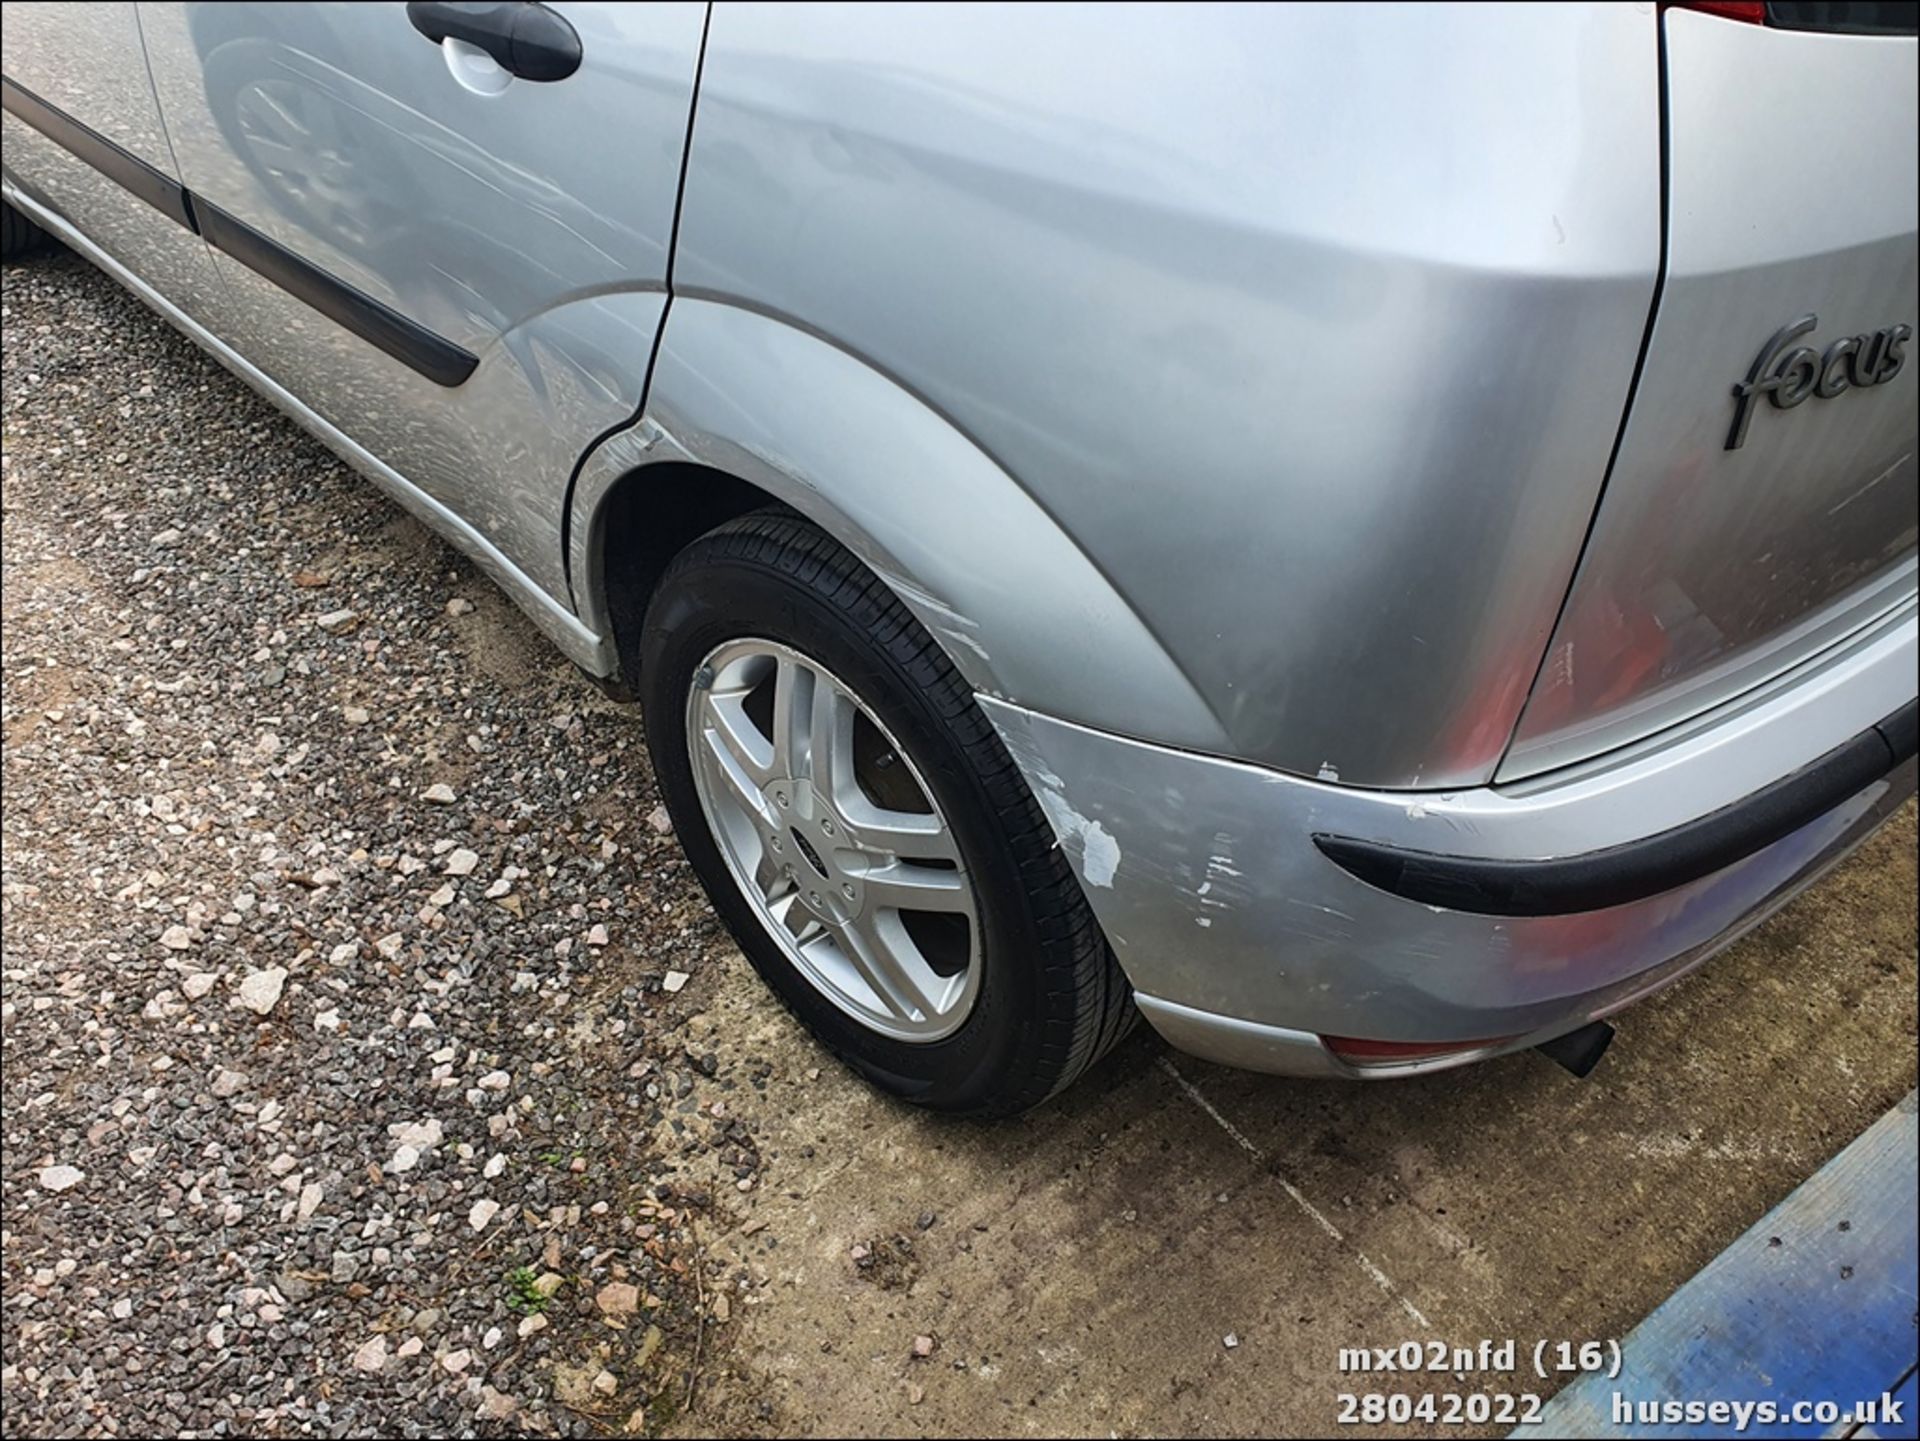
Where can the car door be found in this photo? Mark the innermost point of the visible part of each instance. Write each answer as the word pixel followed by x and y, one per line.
pixel 83 137
pixel 460 267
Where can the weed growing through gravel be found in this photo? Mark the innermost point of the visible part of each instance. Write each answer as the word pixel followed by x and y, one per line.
pixel 524 1295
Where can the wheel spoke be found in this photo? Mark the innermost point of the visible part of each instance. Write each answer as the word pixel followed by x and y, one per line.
pixel 792 717
pixel 794 918
pixel 830 744
pixel 881 966
pixel 725 713
pixel 733 772
pixel 903 834
pixel 903 886
pixel 771 876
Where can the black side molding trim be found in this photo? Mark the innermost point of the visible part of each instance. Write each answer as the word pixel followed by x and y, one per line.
pixel 441 361
pixel 412 344
pixel 1642 868
pixel 116 163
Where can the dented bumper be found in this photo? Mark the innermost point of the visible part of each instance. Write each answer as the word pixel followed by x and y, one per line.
pixel 1246 942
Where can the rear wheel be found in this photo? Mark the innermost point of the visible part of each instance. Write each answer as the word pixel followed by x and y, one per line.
pixel 18 235
pixel 862 830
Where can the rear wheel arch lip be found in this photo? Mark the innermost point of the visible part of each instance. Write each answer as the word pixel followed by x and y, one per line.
pixel 640 461
pixel 610 592
pixel 796 404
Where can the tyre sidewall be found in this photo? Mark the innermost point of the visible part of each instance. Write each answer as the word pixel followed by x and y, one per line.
pixel 720 598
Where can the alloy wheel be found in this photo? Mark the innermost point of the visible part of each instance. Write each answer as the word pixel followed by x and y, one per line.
pixel 833 836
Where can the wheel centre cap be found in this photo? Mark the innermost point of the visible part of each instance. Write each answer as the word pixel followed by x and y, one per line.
pixel 806 849
pixel 822 859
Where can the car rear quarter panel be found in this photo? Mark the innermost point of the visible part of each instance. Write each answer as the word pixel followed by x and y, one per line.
pixel 966 549
pixel 1311 326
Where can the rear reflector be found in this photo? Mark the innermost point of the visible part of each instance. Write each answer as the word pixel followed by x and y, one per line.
pixel 1359 1052
pixel 1839 17
pixel 1754 12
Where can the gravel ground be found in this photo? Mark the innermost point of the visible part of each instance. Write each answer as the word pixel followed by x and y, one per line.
pixel 346 1082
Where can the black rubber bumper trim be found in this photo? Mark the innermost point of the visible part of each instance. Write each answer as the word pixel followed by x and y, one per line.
pixel 381 326
pixel 1642 868
pixel 441 361
pixel 116 163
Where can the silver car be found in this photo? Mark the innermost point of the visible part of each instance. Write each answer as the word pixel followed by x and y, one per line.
pixel 1373 536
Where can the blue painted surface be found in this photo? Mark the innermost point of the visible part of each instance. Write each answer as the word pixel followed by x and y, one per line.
pixel 1817 1302
pixel 1907 1393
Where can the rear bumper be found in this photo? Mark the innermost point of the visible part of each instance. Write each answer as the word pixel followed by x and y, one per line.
pixel 1246 943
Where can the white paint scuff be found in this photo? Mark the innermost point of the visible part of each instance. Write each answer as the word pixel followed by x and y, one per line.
pixel 1099 851
pixel 943 620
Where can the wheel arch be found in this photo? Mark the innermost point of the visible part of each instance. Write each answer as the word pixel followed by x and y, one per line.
pixel 645 516
pixel 746 409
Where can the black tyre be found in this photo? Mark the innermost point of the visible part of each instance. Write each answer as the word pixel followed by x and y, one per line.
pixel 18 235
pixel 861 829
